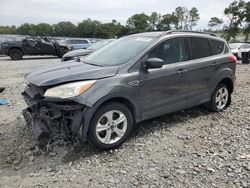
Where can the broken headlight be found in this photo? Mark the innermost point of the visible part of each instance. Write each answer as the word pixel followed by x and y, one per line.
pixel 69 90
pixel 4 45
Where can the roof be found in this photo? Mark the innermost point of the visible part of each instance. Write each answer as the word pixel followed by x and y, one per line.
pixel 164 33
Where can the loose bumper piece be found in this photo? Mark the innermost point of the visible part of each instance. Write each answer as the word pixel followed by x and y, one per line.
pixel 48 118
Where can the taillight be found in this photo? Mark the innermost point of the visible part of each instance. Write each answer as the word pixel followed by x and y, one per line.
pixel 232 59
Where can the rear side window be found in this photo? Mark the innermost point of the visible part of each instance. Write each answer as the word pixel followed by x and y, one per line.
pixel 217 46
pixel 200 47
pixel 83 42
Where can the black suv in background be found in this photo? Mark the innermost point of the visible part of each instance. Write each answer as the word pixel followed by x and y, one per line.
pixel 132 79
pixel 33 46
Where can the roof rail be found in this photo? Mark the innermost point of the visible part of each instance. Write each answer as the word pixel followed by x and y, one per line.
pixel 187 31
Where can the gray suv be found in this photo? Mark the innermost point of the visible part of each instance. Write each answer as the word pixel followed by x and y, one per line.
pixel 135 78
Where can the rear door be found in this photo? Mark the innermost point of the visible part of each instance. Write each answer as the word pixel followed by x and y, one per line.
pixel 203 64
pixel 164 90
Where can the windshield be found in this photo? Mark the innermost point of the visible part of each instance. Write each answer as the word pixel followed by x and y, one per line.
pixel 234 45
pixel 98 45
pixel 120 51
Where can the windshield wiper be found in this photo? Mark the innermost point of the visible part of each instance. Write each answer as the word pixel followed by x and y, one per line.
pixel 92 64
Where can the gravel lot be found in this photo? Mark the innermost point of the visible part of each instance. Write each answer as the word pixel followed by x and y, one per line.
pixel 191 148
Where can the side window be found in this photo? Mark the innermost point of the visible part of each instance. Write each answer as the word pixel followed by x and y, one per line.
pixel 83 42
pixel 199 47
pixel 245 46
pixel 74 42
pixel 170 51
pixel 242 47
pixel 217 47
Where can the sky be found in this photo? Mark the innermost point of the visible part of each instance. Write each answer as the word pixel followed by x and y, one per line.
pixel 16 12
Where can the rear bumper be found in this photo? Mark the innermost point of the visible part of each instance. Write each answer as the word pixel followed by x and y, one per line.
pixel 48 118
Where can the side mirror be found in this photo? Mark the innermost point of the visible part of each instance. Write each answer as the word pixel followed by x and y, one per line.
pixel 154 63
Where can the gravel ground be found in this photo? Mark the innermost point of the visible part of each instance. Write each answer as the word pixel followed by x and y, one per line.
pixel 191 148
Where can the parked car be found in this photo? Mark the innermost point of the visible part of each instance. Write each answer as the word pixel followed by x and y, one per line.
pixel 238 48
pixel 135 78
pixel 77 54
pixel 32 46
pixel 74 44
pixel 1 51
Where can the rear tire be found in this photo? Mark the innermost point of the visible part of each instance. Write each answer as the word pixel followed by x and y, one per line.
pixel 220 100
pixel 110 126
pixel 16 54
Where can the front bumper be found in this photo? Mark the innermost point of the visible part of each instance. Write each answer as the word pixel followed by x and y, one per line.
pixel 48 118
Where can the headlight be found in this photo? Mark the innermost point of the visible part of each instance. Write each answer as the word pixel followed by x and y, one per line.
pixel 4 45
pixel 69 90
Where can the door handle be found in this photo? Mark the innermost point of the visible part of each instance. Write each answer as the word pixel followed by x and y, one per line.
pixel 214 64
pixel 181 71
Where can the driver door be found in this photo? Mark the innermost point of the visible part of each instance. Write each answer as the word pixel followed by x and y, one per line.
pixel 29 46
pixel 164 90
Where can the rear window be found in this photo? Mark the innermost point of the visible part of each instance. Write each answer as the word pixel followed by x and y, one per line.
pixel 217 46
pixel 200 48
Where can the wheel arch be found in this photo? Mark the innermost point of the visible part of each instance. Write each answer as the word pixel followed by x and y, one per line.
pixel 90 111
pixel 229 83
pixel 12 48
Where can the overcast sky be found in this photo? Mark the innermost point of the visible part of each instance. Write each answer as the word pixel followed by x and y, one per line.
pixel 16 12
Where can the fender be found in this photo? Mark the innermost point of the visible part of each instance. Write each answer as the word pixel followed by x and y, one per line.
pixel 90 110
pixel 11 48
pixel 225 73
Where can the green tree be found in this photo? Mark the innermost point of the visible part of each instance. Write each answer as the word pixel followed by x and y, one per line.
pixel 138 23
pixel 184 19
pixel 7 29
pixel 27 29
pixel 64 29
pixel 180 17
pixel 215 22
pixel 194 17
pixel 247 21
pixel 89 28
pixel 44 29
pixel 235 14
pixel 167 22
pixel 154 20
pixel 112 30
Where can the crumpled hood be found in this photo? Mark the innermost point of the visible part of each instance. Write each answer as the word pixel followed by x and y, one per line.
pixel 80 52
pixel 69 72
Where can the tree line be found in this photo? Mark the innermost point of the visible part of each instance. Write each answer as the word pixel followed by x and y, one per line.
pixel 182 18
pixel 238 14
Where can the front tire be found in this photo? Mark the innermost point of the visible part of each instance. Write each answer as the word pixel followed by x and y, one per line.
pixel 111 125
pixel 220 100
pixel 16 54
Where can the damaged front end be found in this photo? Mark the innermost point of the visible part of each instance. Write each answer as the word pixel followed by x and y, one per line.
pixel 48 118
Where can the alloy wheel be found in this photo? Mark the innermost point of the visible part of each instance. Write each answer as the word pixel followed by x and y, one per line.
pixel 222 96
pixel 111 127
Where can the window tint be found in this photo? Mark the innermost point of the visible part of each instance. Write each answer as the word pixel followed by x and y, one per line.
pixel 83 42
pixel 199 48
pixel 170 51
pixel 217 46
pixel 244 47
pixel 78 42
